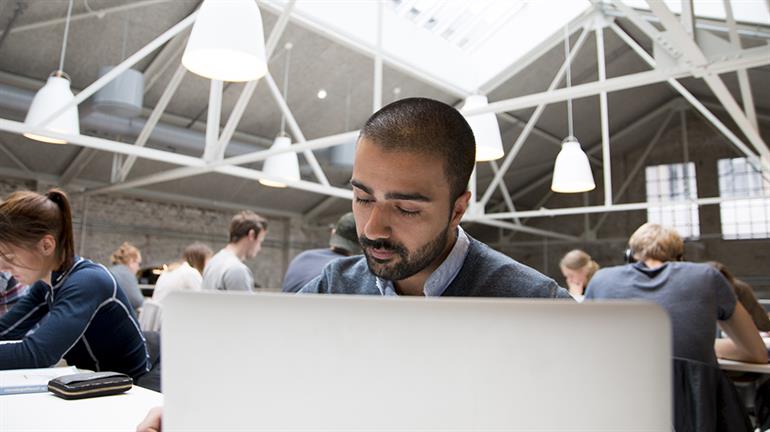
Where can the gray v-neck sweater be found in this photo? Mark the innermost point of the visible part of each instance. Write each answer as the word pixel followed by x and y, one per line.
pixel 484 273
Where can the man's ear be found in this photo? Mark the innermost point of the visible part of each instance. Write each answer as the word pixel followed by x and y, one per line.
pixel 47 245
pixel 458 208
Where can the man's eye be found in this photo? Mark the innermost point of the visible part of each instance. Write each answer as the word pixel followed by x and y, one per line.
pixel 408 212
pixel 363 201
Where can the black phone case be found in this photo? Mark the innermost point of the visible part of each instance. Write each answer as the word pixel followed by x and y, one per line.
pixel 91 384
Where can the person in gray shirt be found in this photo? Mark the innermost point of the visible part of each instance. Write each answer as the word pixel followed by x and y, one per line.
pixel 310 263
pixel 226 271
pixel 695 295
pixel 126 261
pixel 412 165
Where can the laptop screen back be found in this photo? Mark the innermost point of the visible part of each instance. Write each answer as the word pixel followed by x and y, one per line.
pixel 236 361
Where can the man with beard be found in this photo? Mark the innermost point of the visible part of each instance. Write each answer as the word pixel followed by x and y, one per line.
pixel 413 161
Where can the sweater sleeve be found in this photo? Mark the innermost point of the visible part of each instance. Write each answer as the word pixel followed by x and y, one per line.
pixel 74 305
pixel 25 313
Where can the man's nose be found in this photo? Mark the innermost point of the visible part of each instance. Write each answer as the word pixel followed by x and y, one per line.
pixel 378 224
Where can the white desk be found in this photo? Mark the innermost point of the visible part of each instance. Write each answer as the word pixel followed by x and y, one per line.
pixel 732 365
pixel 46 412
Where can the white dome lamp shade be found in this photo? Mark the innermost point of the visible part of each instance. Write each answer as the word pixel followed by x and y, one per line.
pixel 51 98
pixel 227 42
pixel 54 95
pixel 572 171
pixel 489 143
pixel 283 165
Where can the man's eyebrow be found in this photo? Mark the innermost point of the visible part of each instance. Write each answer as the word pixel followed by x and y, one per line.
pixel 359 185
pixel 407 196
pixel 400 196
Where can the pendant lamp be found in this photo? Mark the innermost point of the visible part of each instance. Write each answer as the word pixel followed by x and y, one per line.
pixel 54 95
pixel 285 165
pixel 227 42
pixel 489 144
pixel 571 171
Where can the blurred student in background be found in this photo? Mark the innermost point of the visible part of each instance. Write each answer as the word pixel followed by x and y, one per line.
pixel 746 296
pixel 184 275
pixel 578 268
pixel 695 295
pixel 126 261
pixel 309 264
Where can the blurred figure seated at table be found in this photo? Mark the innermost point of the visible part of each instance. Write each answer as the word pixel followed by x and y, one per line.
pixel 184 275
pixel 578 268
pixel 126 261
pixel 696 297
pixel 746 297
pixel 11 291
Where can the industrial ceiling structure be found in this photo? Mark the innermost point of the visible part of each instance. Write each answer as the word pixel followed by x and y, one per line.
pixel 203 142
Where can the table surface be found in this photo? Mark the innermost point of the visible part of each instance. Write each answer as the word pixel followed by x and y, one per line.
pixel 46 412
pixel 733 365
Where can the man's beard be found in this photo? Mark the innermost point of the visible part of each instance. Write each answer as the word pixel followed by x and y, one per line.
pixel 407 264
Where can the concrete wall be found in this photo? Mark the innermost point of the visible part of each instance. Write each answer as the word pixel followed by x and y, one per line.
pixel 748 259
pixel 162 230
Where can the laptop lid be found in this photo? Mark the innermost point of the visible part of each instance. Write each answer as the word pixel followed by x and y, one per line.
pixel 237 361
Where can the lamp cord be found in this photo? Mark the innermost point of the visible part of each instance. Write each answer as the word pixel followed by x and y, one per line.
pixel 569 79
pixel 66 33
pixel 285 88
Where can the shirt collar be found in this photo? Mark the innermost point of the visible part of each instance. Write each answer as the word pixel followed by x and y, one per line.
pixel 440 279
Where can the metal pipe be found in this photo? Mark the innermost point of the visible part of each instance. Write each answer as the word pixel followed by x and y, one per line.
pixel 123 66
pixel 606 159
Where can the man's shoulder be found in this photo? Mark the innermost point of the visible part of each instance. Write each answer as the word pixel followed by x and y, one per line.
pixel 487 272
pixel 348 275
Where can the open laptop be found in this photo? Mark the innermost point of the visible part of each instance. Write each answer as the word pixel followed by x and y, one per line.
pixel 236 361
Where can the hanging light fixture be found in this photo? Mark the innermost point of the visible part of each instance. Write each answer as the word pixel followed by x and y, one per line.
pixel 124 95
pixel 284 165
pixel 571 171
pixel 489 144
pixel 52 97
pixel 227 42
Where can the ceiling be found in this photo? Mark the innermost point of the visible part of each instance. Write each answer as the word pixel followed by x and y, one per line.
pixel 28 55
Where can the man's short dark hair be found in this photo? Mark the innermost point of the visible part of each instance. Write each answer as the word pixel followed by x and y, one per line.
pixel 431 127
pixel 244 222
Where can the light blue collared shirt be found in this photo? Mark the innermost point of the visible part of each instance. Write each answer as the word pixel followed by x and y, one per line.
pixel 440 279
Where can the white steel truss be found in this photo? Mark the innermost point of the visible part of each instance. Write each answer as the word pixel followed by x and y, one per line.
pixel 694 63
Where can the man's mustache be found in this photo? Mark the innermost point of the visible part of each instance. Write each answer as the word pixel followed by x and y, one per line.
pixel 381 244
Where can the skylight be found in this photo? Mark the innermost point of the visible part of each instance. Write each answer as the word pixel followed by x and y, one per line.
pixel 456 44
pixel 464 24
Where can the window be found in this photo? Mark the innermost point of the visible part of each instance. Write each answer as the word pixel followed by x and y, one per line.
pixel 748 216
pixel 674 185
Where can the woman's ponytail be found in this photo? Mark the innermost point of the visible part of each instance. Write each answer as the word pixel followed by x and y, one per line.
pixel 66 237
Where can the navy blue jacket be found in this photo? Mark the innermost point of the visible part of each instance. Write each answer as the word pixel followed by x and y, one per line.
pixel 84 318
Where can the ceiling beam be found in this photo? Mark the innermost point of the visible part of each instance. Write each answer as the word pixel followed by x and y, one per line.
pixel 747 58
pixel 85 15
pixel 164 197
pixel 689 97
pixel 699 64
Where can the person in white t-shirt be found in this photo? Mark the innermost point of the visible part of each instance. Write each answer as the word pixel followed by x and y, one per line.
pixel 183 276
pixel 226 270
